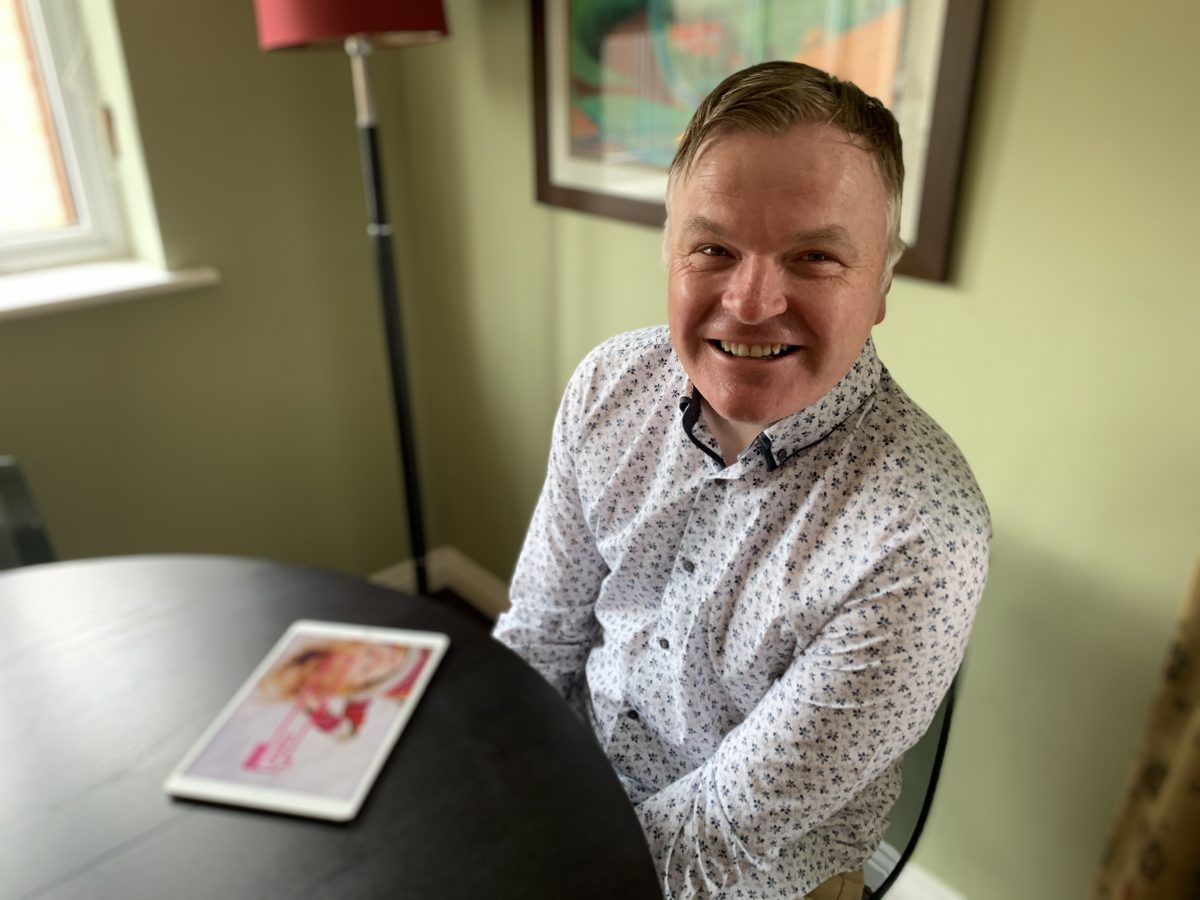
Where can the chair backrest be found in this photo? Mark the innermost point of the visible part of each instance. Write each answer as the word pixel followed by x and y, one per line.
pixel 922 766
pixel 23 539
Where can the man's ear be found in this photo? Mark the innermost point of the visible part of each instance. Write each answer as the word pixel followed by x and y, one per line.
pixel 883 302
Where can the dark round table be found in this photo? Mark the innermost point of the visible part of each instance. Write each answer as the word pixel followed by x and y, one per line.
pixel 111 668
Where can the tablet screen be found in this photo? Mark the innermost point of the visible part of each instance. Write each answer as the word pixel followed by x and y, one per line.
pixel 310 729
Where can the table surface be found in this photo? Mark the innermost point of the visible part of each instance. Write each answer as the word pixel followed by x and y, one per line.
pixel 110 670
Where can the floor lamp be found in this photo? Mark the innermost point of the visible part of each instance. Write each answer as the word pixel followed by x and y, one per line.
pixel 360 25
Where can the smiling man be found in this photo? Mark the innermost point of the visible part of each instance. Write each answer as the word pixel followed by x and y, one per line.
pixel 755 561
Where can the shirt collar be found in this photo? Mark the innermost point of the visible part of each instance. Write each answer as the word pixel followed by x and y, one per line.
pixel 783 439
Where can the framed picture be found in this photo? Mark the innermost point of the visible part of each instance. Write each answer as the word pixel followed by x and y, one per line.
pixel 615 82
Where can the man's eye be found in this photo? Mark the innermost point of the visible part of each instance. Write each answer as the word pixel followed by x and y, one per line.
pixel 713 250
pixel 816 256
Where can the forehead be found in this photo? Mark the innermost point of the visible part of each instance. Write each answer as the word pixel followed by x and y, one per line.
pixel 812 164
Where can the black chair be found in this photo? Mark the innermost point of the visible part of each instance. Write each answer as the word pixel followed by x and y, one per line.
pixel 23 539
pixel 922 766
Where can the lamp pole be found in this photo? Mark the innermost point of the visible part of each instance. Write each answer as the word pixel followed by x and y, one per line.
pixel 379 231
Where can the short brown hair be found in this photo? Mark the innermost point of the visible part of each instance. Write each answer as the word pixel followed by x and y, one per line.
pixel 773 97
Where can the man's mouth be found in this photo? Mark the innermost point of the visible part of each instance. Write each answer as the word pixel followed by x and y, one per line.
pixel 753 351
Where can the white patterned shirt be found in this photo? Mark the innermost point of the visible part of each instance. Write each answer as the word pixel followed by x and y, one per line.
pixel 755 645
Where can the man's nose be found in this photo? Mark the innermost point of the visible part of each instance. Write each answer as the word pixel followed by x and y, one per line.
pixel 756 292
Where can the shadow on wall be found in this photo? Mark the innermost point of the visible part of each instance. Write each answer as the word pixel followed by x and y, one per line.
pixel 474 252
pixel 1055 691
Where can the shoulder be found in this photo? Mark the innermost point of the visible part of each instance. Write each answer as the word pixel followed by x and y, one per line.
pixel 621 384
pixel 635 363
pixel 918 469
pixel 914 532
pixel 646 352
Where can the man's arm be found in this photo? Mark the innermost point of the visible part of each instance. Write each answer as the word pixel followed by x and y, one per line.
pixel 559 572
pixel 849 705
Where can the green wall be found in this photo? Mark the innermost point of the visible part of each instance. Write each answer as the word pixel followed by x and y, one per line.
pixel 252 417
pixel 249 417
pixel 1063 362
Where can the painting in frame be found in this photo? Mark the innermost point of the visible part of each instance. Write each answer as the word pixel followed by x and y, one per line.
pixel 615 82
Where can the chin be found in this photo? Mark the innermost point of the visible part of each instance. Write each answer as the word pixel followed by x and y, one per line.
pixel 747 410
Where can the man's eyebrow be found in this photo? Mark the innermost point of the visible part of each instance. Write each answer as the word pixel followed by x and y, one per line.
pixel 836 234
pixel 827 234
pixel 702 225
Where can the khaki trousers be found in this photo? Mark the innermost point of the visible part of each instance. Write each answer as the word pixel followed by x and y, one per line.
pixel 840 887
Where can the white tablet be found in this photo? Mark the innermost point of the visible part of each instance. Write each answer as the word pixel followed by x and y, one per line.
pixel 311 727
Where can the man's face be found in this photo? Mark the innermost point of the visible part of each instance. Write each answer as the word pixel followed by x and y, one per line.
pixel 776 247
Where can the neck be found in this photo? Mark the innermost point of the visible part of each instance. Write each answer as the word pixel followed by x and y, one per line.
pixel 732 437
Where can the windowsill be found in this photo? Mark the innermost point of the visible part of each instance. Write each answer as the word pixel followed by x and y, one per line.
pixel 70 287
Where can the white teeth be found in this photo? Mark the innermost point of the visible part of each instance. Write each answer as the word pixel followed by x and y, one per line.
pixel 753 351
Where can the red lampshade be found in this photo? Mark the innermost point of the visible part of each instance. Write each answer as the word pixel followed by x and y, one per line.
pixel 392 23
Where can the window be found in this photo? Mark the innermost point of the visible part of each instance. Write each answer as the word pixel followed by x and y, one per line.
pixel 59 200
pixel 77 221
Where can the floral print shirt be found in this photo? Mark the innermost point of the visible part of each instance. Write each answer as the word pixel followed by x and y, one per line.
pixel 755 645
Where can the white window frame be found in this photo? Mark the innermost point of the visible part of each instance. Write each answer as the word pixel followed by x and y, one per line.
pixel 116 253
pixel 63 54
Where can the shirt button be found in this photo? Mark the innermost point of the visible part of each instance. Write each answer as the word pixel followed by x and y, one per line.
pixel 632 714
pixel 664 643
pixel 689 566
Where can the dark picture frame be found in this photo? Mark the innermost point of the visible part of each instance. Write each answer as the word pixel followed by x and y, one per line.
pixel 930 234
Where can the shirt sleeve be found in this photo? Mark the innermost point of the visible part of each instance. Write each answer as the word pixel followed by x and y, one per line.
pixel 845 710
pixel 551 622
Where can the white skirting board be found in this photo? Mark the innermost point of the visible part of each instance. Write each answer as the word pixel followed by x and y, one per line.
pixel 914 882
pixel 449 567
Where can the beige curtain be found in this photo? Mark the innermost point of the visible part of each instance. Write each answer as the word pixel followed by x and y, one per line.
pixel 1154 850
